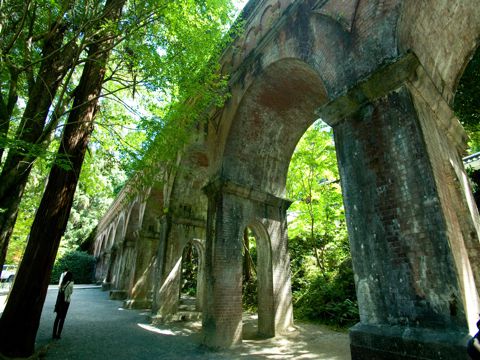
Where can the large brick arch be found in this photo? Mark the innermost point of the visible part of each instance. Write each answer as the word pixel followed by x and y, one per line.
pixel 391 120
pixel 134 218
pixel 272 116
pixel 383 74
pixel 126 249
pixel 120 229
pixel 313 34
pixel 443 35
pixel 118 235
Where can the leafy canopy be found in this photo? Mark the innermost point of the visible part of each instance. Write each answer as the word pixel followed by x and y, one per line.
pixel 166 53
pixel 322 276
pixel 467 101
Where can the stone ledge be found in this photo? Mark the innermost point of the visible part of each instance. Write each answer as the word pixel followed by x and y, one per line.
pixel 385 342
pixel 384 80
pixel 229 187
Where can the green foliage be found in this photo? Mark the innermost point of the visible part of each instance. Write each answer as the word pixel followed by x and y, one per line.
pixel 317 215
pixel 81 264
pixel 189 271
pixel 99 179
pixel 467 101
pixel 28 207
pixel 322 278
pixel 172 71
pixel 329 299
pixel 250 281
pixel 161 81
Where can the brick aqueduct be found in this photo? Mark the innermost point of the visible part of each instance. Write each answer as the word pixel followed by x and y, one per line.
pixel 383 74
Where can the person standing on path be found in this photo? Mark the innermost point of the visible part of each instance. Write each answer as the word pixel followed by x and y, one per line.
pixel 473 346
pixel 63 302
pixel 61 276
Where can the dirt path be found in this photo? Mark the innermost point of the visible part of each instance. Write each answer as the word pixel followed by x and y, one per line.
pixel 98 328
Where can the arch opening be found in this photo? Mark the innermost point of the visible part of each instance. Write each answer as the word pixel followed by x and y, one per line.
pixel 115 252
pixel 192 276
pixel 257 284
pixel 128 247
pixel 272 116
pixel 466 106
pixel 189 276
pixel 323 286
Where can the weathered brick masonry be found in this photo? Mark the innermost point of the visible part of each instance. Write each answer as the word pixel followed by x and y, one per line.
pixel 383 74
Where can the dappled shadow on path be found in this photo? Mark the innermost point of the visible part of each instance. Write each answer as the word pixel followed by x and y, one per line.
pixel 306 341
pixel 303 341
pixel 98 328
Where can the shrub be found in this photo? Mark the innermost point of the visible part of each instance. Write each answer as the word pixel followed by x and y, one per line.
pixel 330 300
pixel 189 271
pixel 81 264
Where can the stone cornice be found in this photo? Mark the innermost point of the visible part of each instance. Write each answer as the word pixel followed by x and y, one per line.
pixel 226 186
pixel 376 85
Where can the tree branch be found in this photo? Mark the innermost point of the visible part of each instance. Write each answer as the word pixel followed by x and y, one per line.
pixel 19 29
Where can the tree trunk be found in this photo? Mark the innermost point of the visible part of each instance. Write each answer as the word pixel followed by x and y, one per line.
pixel 8 218
pixel 21 317
pixel 6 108
pixel 247 265
pixel 312 231
pixel 17 166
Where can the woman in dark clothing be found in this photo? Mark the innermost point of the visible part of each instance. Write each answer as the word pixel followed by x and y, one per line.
pixel 63 302
pixel 473 346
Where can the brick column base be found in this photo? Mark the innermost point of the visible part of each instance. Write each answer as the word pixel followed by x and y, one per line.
pixel 401 343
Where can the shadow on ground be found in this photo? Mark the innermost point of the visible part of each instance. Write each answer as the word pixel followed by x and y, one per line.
pixel 98 328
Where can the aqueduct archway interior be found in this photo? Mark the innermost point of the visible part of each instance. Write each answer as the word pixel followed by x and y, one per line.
pixel 383 74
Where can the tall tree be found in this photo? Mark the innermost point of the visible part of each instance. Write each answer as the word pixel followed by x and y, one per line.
pixel 153 52
pixel 322 277
pixel 177 30
pixel 53 62
pixel 21 317
pixel 313 181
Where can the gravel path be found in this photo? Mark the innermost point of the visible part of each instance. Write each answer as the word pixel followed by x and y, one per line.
pixel 98 328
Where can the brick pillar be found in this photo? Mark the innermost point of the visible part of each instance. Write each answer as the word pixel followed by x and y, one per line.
pixel 281 274
pixel 101 266
pixel 110 266
pixel 410 299
pixel 127 264
pixel 231 208
pixel 222 313
pixel 176 236
pixel 141 285
pixel 445 142
pixel 166 272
